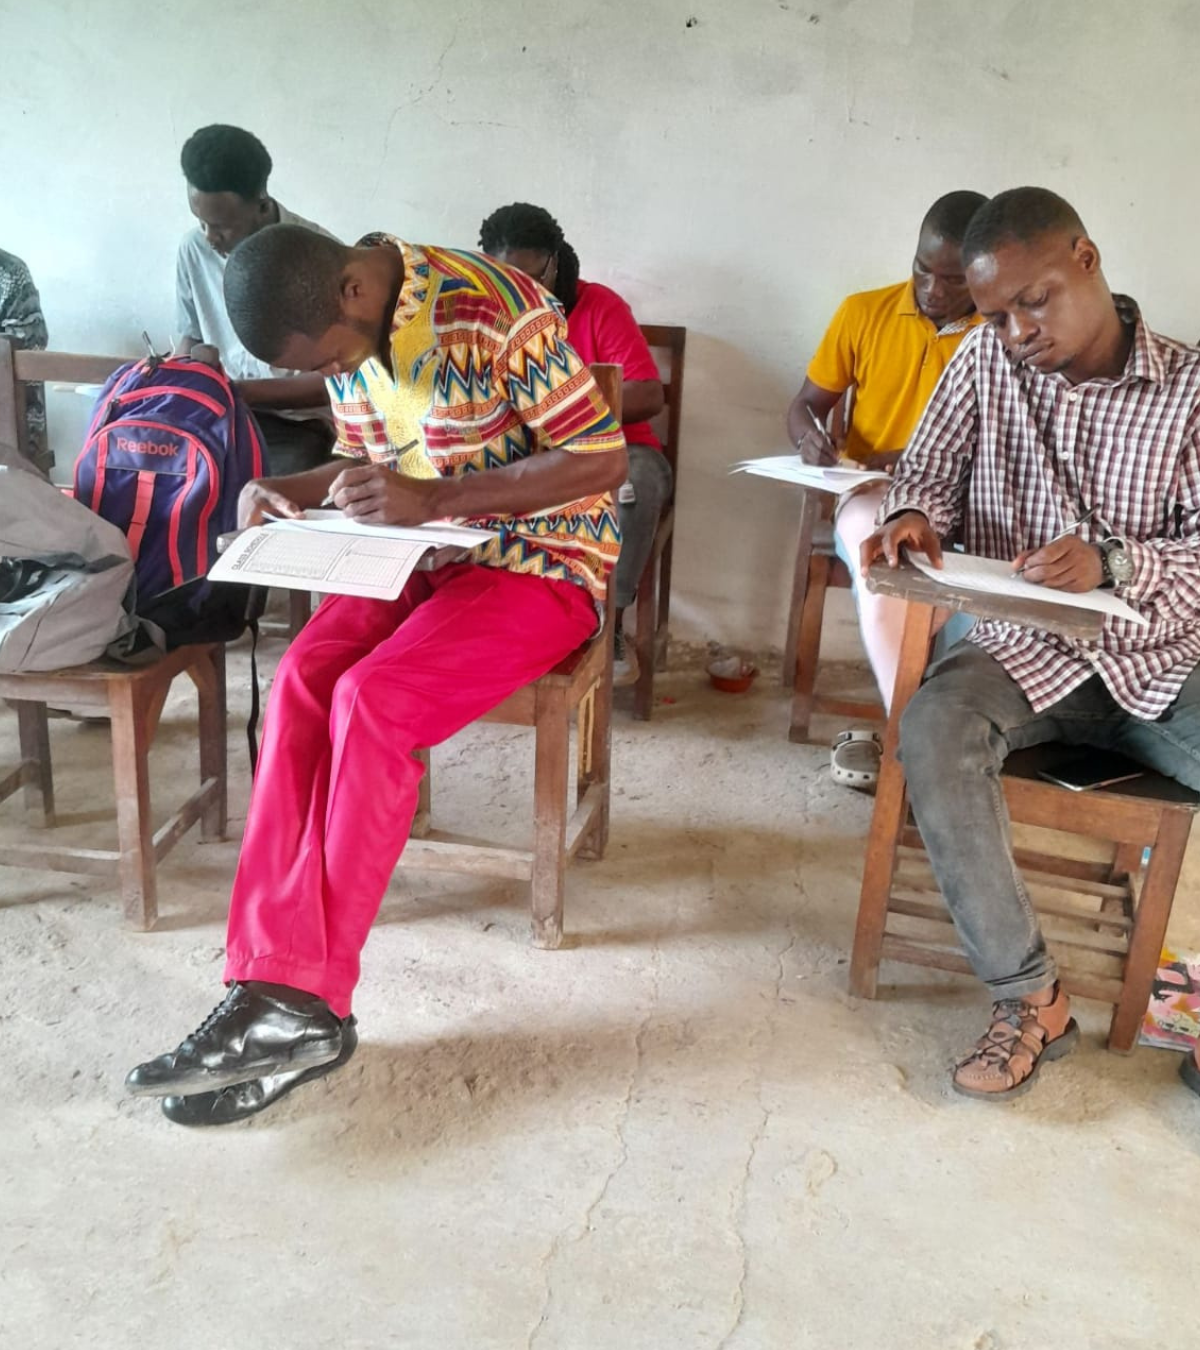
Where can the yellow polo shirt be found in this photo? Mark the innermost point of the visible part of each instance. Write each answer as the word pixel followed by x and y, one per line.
pixel 882 343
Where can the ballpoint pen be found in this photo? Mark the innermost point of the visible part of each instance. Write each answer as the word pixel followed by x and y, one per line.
pixel 378 463
pixel 816 421
pixel 1062 534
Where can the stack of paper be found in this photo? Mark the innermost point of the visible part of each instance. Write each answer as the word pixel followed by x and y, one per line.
pixel 993 576
pixel 837 478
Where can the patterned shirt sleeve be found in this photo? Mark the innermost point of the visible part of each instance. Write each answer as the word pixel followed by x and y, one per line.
pixel 1166 575
pixel 20 306
pixel 934 471
pixel 552 391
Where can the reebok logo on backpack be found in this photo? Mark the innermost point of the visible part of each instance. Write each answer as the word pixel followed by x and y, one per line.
pixel 169 449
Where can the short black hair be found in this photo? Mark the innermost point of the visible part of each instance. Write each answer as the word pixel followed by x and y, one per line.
pixel 950 215
pixel 226 159
pixel 1019 216
pixel 522 225
pixel 280 281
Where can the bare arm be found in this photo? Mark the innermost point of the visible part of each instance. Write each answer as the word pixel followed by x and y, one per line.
pixel 379 496
pixel 801 431
pixel 641 400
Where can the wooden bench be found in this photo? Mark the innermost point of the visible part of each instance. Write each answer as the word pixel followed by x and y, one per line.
pixel 668 342
pixel 580 689
pixel 132 697
pixel 1104 919
pixel 818 568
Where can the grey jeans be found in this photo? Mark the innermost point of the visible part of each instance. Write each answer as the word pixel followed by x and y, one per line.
pixel 650 475
pixel 954 736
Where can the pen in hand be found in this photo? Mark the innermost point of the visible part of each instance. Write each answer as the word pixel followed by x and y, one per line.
pixel 377 463
pixel 821 431
pixel 1062 534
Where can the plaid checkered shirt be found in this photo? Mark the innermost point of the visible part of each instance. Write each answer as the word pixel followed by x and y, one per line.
pixel 1007 457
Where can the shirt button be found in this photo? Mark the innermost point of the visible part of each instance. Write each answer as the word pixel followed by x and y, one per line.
pixel 1072 398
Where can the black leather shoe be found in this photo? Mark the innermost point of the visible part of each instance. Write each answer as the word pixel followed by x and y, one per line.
pixel 248 1099
pixel 248 1035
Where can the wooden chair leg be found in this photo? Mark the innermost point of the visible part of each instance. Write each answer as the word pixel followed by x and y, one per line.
pixel 808 650
pixel 131 774
pixel 646 644
pixel 891 810
pixel 595 766
pixel 809 514
pixel 421 821
pixel 552 754
pixel 1149 928
pixel 1127 861
pixel 209 679
pixel 34 731
pixel 299 611
pixel 662 622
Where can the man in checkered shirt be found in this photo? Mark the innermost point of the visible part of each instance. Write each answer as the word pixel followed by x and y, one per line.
pixel 1062 403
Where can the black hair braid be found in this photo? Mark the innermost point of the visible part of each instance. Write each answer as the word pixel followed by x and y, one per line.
pixel 522 225
pixel 566 276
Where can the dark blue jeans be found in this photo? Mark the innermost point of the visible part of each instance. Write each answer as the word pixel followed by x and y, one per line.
pixel 954 736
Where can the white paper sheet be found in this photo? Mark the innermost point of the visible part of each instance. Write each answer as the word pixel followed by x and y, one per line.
pixel 836 478
pixel 993 576
pixel 320 560
pixel 438 534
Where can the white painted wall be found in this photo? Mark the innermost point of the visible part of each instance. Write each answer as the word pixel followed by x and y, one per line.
pixel 737 175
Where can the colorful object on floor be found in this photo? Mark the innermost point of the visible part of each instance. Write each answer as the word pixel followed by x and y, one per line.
pixel 1172 1020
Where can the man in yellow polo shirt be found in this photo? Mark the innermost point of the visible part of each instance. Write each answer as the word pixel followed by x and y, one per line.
pixel 891 345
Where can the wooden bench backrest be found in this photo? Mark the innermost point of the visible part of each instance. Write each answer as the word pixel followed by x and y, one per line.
pixel 19 368
pixel 667 343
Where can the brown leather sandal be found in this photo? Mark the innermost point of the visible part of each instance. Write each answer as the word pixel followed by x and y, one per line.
pixel 1006 1060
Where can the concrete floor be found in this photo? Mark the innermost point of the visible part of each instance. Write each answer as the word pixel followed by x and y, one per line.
pixel 678 1132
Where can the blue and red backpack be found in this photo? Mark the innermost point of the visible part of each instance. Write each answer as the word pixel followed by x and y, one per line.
pixel 170 447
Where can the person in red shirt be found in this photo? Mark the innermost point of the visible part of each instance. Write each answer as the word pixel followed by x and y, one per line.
pixel 601 327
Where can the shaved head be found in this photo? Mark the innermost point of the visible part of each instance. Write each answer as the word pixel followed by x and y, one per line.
pixel 1019 216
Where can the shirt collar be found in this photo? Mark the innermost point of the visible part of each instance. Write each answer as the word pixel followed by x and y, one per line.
pixel 908 307
pixel 414 289
pixel 1147 357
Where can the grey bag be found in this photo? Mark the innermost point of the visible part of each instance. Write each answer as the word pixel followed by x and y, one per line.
pixel 66 577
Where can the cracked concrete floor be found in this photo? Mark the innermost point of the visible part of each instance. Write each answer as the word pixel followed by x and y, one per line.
pixel 678 1132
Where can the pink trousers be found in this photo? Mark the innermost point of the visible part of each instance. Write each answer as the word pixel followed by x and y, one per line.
pixel 365 684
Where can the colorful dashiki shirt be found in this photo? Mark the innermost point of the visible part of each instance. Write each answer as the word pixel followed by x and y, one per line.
pixel 484 377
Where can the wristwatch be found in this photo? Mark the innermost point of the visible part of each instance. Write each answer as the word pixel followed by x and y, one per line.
pixel 1115 563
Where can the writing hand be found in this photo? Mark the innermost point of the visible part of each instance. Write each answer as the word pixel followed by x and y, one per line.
pixel 911 530
pixel 378 496
pixel 884 461
pixel 1066 564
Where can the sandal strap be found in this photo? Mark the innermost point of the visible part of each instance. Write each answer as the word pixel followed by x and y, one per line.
pixel 1014 1042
